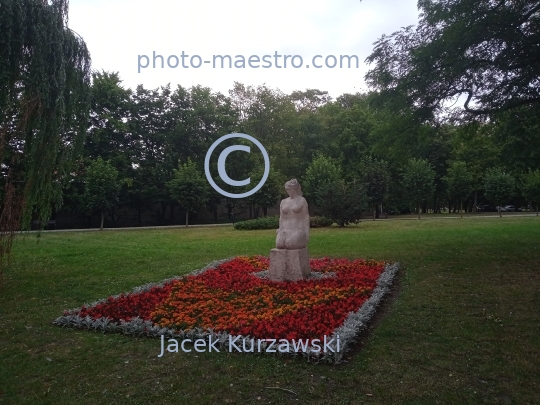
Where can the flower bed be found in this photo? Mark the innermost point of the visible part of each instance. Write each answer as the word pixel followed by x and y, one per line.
pixel 233 298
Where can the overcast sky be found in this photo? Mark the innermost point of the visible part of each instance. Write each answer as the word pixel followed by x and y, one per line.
pixel 118 31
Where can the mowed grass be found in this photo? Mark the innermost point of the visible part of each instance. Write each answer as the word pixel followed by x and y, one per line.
pixel 462 325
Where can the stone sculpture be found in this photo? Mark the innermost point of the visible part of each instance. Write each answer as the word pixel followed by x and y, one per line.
pixel 290 260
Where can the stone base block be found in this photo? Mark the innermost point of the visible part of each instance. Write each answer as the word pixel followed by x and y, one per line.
pixel 288 265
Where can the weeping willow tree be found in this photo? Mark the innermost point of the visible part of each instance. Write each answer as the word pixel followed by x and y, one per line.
pixel 44 104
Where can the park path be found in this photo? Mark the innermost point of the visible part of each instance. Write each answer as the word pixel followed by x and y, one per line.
pixel 132 228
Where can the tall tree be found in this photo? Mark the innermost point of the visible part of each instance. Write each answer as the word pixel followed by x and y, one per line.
pixel 474 144
pixel 499 187
pixel 321 171
pixel 531 187
pixel 189 188
pixel 517 133
pixel 101 187
pixel 397 137
pixel 418 179
pixel 109 135
pixel 483 50
pixel 437 153
pixel 342 201
pixel 269 115
pixel 151 124
pixel 309 136
pixel 348 130
pixel 44 100
pixel 310 99
pixel 269 193
pixel 376 178
pixel 198 117
pixel 459 182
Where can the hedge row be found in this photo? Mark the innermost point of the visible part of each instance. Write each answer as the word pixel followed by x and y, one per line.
pixel 273 223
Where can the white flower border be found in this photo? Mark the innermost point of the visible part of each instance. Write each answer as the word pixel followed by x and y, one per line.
pixel 348 332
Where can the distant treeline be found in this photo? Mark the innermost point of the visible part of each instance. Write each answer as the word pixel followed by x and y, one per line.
pixel 145 134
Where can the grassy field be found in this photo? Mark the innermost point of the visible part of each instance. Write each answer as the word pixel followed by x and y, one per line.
pixel 461 327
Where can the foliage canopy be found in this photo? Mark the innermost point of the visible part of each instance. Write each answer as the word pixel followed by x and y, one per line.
pixel 101 187
pixel 321 171
pixel 484 50
pixel 418 181
pixel 44 104
pixel 499 186
pixel 531 187
pixel 342 201
pixel 189 188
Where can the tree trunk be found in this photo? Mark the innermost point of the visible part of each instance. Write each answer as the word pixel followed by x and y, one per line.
pixel 474 203
pixel 536 208
pixel 187 214
pixel 374 211
pixel 229 210
pixel 461 209
pixel 265 211
pixel 418 209
pixel 102 218
pixel 162 212
pixel 499 208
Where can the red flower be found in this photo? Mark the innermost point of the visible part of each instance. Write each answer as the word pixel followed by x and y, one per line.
pixel 231 298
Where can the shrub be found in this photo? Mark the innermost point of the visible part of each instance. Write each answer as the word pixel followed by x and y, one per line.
pixel 273 223
pixel 259 223
pixel 319 222
pixel 342 201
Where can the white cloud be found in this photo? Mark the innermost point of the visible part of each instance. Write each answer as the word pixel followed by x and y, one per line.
pixel 117 31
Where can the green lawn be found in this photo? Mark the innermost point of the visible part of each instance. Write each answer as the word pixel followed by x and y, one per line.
pixel 462 326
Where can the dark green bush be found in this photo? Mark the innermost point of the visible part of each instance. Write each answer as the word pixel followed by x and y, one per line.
pixel 259 223
pixel 273 223
pixel 319 222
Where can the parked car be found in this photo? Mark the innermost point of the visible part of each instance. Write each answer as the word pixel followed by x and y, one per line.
pixel 508 208
pixel 486 208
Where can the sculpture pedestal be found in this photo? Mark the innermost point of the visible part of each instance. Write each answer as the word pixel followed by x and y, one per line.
pixel 288 265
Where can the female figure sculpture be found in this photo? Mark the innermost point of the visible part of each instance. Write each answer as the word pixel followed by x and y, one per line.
pixel 293 232
pixel 290 260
